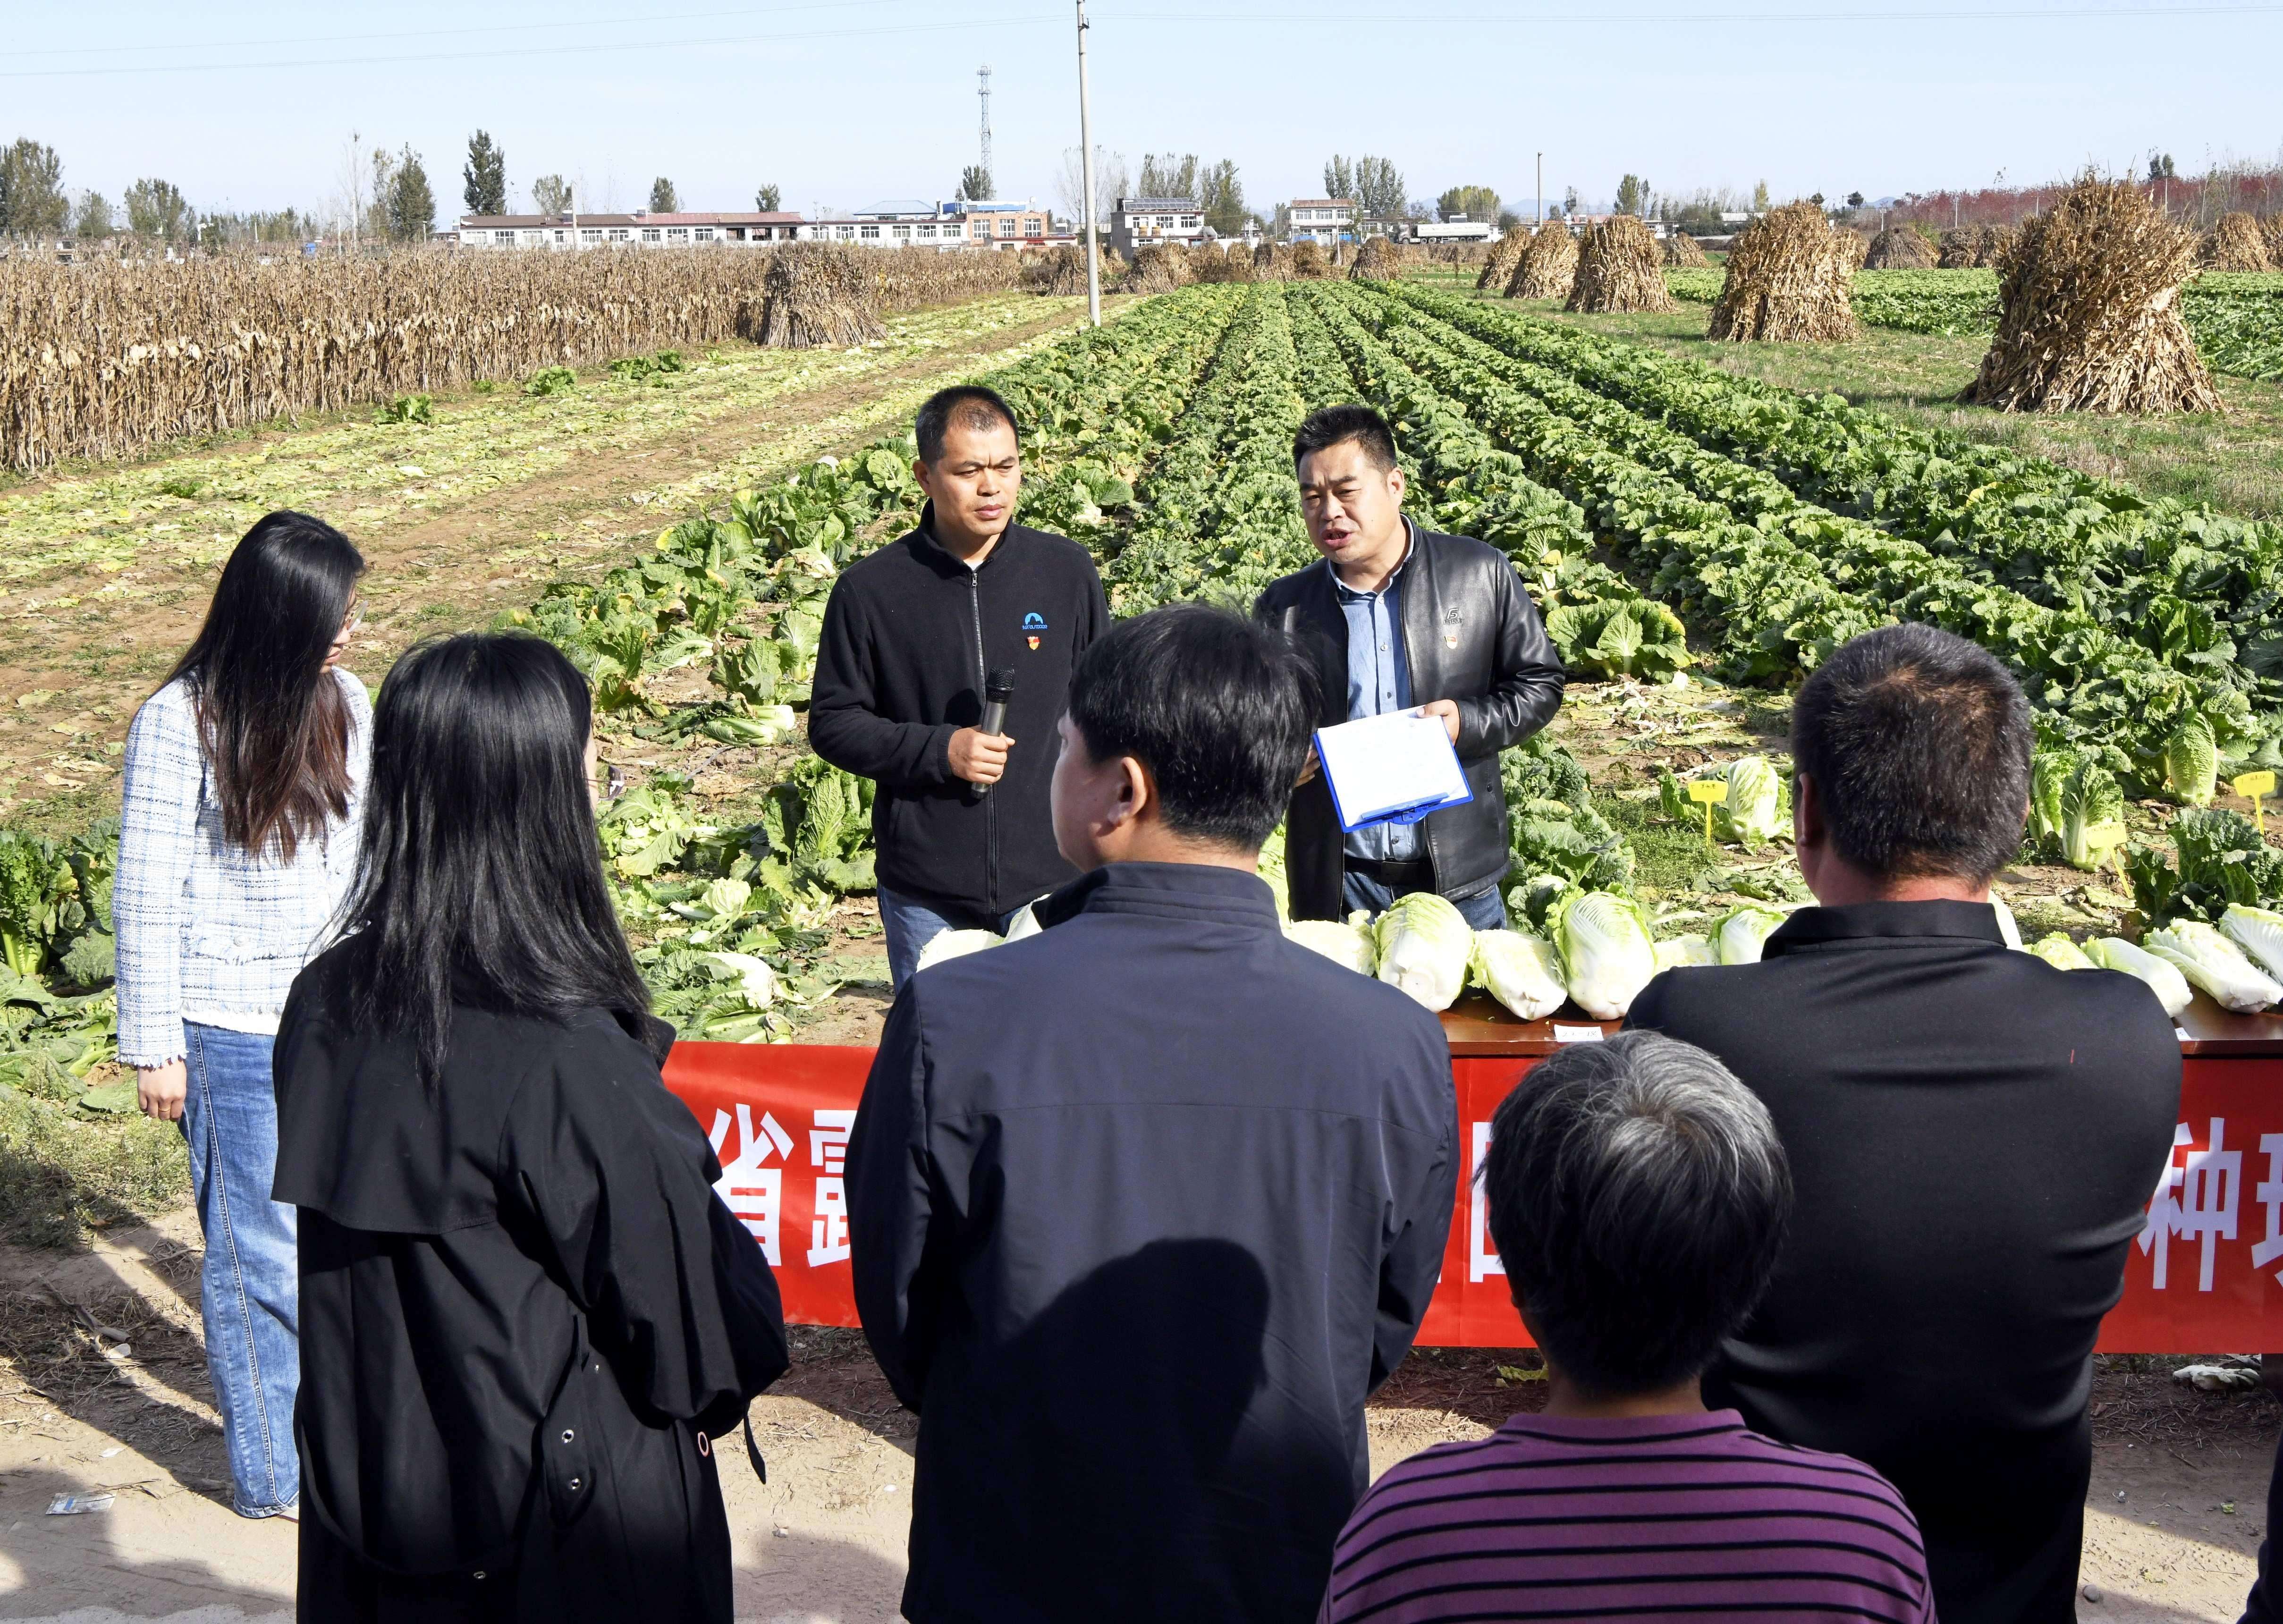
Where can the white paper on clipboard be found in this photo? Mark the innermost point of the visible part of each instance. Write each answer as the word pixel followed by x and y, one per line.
pixel 1395 768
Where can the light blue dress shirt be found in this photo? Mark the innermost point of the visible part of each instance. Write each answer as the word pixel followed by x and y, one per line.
pixel 1379 681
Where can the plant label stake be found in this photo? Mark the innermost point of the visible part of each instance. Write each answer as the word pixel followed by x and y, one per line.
pixel 2254 785
pixel 1711 793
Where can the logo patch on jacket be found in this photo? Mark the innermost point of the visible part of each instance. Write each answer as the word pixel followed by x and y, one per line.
pixel 1034 626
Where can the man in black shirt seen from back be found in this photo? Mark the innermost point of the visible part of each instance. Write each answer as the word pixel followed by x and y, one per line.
pixel 911 634
pixel 1973 1134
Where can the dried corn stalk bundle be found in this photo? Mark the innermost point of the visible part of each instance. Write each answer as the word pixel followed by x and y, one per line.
pixel 102 359
pixel 2270 232
pixel 1308 262
pixel 1273 262
pixel 2089 317
pixel 1212 262
pixel 1506 254
pixel 1899 247
pixel 1973 247
pixel 1061 272
pixel 2235 244
pixel 1549 267
pixel 1683 252
pixel 1789 277
pixel 1858 246
pixel 1158 268
pixel 821 296
pixel 1619 269
pixel 1378 260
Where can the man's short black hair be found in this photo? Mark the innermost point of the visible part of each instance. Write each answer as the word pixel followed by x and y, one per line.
pixel 1918 745
pixel 1220 708
pixel 965 405
pixel 1332 425
pixel 1638 1197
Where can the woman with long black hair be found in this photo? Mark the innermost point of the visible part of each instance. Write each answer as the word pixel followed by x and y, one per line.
pixel 236 843
pixel 525 1315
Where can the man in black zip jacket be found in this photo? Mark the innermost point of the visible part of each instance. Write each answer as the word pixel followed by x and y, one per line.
pixel 910 635
pixel 1399 618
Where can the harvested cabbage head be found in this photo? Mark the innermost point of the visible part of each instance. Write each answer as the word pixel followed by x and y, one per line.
pixel 1023 923
pixel 955 944
pixel 2212 962
pixel 2164 979
pixel 2062 953
pixel 2092 815
pixel 1424 947
pixel 1343 941
pixel 2191 761
pixel 1521 970
pixel 1738 937
pixel 2259 932
pixel 1679 952
pixel 1605 951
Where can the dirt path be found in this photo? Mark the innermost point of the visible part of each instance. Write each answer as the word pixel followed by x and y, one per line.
pixel 446 554
pixel 81 1412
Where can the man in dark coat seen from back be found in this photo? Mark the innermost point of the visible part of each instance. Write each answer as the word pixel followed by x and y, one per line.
pixel 1972 1133
pixel 1143 1206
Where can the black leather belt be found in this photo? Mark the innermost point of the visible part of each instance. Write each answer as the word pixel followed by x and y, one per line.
pixel 1414 874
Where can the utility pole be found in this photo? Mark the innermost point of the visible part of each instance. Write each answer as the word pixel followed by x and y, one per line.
pixel 1086 175
pixel 1541 189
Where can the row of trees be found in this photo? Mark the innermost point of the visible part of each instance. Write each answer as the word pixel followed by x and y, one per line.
pixel 485 188
pixel 35 204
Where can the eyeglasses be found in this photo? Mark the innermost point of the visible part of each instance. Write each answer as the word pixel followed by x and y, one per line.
pixel 356 617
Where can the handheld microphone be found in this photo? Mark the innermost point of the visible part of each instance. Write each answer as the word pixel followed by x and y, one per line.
pixel 998 691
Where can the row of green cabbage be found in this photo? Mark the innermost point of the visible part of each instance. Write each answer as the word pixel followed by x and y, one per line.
pixel 2237 320
pixel 2199 590
pixel 1779 592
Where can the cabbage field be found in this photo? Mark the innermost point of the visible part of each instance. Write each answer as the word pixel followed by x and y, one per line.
pixel 1696 540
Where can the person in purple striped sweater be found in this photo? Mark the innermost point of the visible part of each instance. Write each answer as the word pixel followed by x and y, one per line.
pixel 1638 1197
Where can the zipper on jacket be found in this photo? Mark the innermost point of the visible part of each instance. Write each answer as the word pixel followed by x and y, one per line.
pixel 982 683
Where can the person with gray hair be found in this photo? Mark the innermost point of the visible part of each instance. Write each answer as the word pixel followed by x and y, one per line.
pixel 1637 1198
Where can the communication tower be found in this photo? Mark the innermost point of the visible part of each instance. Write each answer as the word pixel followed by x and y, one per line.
pixel 983 75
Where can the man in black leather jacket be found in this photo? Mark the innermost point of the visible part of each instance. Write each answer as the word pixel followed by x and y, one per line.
pixel 1398 618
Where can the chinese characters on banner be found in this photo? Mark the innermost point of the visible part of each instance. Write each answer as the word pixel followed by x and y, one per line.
pixel 2207 1271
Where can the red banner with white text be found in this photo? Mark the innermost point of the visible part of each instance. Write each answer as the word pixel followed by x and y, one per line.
pixel 2205 1277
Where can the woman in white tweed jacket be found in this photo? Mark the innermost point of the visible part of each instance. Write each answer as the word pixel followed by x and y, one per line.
pixel 237 843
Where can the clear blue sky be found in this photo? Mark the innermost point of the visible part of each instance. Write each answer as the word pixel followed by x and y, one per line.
pixel 843 102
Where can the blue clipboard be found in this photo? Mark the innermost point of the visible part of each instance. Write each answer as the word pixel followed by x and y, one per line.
pixel 1408 814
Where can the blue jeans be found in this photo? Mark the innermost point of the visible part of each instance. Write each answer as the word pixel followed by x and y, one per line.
pixel 1485 910
pixel 250 1287
pixel 909 927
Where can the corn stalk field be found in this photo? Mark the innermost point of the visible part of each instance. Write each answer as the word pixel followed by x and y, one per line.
pixel 102 359
pixel 1685 531
pixel 2237 317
